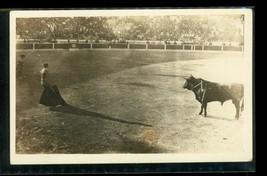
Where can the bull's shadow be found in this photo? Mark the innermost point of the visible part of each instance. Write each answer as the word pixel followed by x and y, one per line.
pixel 69 109
pixel 220 118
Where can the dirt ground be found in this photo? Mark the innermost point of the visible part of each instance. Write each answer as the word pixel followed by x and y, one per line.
pixel 129 102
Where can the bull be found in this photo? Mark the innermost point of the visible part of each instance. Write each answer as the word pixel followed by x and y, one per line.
pixel 206 91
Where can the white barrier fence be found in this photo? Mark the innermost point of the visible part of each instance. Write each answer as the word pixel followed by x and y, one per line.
pixel 77 46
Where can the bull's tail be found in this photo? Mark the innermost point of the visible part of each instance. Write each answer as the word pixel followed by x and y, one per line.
pixel 242 105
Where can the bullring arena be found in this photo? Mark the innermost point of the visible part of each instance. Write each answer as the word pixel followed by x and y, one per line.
pixel 129 101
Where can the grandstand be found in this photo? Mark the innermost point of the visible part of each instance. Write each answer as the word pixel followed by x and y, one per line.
pixel 195 30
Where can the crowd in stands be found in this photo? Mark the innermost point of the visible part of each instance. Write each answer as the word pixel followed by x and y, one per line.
pixel 198 30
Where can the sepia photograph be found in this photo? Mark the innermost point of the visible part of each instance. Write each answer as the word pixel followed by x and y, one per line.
pixel 131 86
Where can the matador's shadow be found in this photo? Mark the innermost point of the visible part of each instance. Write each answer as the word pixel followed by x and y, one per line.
pixel 69 109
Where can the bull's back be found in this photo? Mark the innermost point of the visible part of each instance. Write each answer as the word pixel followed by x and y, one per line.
pixel 222 93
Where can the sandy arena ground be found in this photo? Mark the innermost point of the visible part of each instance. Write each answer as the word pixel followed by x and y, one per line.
pixel 130 102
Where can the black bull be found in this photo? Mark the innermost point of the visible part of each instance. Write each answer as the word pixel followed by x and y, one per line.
pixel 206 92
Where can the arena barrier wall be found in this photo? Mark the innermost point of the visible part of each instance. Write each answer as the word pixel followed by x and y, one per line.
pixel 77 46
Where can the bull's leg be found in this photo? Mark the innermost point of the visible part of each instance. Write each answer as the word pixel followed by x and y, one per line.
pixel 205 109
pixel 201 110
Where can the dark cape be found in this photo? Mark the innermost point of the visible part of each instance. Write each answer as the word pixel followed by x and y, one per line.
pixel 51 96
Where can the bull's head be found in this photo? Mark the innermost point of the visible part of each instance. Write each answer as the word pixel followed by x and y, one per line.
pixel 189 82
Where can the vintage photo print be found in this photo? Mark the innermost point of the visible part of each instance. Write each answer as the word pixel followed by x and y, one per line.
pixel 131 86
